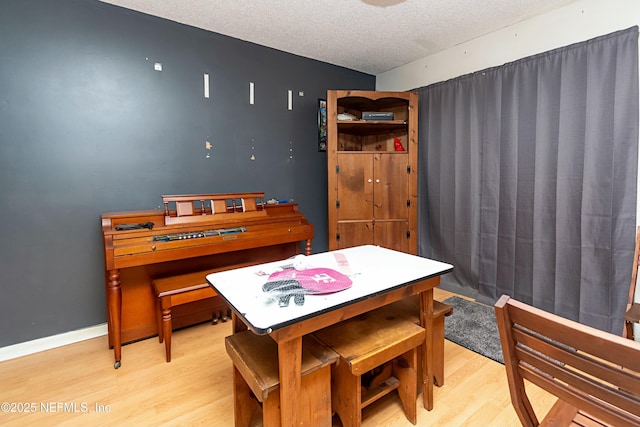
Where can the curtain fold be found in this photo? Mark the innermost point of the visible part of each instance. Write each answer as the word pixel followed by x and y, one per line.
pixel 528 176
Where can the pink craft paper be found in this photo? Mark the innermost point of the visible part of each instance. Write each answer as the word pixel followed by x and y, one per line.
pixel 315 280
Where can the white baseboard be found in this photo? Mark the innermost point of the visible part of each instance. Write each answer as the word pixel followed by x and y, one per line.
pixel 46 343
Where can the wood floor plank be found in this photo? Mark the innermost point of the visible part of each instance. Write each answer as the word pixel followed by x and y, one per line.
pixel 76 385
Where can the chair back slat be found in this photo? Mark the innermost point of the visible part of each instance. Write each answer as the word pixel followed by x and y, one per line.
pixel 581 362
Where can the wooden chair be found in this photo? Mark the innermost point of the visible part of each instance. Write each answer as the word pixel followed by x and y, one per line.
pixel 593 373
pixel 632 314
pixel 366 344
pixel 256 379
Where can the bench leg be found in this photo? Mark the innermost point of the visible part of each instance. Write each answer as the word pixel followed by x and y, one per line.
pixel 271 410
pixel 438 354
pixel 314 404
pixel 346 395
pixel 244 403
pixel 438 351
pixel 166 328
pixel 159 320
pixel 405 370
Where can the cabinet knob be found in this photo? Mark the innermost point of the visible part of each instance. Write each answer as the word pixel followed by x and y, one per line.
pixel 369 180
pixel 377 180
pixel 153 247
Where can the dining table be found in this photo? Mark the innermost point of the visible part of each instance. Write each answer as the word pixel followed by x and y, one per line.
pixel 377 276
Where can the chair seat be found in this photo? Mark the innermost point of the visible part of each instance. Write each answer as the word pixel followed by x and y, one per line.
pixel 633 314
pixel 565 414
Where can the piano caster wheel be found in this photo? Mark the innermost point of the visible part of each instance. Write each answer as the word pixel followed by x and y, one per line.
pixel 223 316
pixel 116 365
pixel 214 320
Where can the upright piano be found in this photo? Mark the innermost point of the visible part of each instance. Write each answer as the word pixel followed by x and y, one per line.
pixel 192 233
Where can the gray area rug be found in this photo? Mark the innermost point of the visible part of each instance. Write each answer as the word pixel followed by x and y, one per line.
pixel 473 326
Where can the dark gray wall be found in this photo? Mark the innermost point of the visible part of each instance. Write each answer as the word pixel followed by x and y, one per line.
pixel 87 126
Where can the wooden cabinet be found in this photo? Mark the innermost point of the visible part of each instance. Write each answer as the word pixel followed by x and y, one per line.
pixel 372 169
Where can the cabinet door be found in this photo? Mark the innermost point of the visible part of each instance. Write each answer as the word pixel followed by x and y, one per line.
pixel 355 187
pixel 392 235
pixel 354 233
pixel 391 186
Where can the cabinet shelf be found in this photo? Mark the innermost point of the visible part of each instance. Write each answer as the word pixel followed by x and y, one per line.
pixel 372 152
pixel 359 127
pixel 358 123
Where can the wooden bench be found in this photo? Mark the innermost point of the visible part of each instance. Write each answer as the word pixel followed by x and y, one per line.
pixel 256 379
pixel 173 291
pixel 381 350
pixel 408 309
pixel 594 374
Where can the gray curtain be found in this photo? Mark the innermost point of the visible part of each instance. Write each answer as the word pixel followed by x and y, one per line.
pixel 528 177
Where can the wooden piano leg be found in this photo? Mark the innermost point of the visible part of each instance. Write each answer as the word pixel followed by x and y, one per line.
pixel 114 306
pixel 307 247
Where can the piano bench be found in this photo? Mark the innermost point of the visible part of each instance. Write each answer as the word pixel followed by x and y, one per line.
pixel 177 290
pixel 377 355
pixel 256 379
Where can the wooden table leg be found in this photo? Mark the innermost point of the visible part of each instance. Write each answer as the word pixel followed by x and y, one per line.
pixel 290 364
pixel 114 306
pixel 237 325
pixel 426 320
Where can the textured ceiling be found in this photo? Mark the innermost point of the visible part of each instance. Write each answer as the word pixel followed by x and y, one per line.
pixel 372 36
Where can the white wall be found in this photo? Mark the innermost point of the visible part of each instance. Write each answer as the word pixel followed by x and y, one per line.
pixel 576 22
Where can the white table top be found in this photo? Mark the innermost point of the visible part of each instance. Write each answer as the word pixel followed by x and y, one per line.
pixel 372 270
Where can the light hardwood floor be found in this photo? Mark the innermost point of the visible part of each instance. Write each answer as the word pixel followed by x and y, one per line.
pixel 76 385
